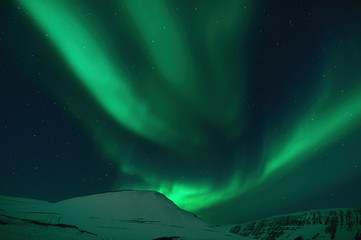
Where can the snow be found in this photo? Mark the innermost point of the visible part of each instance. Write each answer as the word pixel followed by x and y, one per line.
pixel 150 215
pixel 112 215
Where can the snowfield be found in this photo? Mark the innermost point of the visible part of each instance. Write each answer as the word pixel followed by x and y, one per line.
pixel 112 215
pixel 150 215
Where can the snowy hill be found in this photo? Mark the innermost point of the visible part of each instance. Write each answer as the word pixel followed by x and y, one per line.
pixel 337 224
pixel 113 215
pixel 150 215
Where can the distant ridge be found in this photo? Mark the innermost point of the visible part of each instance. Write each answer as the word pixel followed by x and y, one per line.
pixel 341 223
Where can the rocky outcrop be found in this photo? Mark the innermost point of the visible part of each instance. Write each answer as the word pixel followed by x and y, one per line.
pixel 323 224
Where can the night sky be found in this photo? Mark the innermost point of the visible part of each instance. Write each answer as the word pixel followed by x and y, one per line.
pixel 235 110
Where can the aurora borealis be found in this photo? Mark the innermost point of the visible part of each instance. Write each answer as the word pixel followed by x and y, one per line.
pixel 234 110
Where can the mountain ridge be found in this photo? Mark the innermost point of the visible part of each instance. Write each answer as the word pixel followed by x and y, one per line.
pixel 137 214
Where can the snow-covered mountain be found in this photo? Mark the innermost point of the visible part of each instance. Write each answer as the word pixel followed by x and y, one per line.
pixel 108 216
pixel 337 224
pixel 150 215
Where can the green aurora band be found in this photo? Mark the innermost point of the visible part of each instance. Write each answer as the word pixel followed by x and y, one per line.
pixel 172 64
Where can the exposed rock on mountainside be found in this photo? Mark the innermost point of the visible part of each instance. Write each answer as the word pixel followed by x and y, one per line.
pixel 332 224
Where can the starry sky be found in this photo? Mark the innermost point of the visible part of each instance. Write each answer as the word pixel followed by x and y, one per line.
pixel 235 110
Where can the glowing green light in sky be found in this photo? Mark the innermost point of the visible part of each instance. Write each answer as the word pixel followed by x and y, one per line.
pixel 207 86
pixel 315 133
pixel 81 46
pixel 324 123
pixel 178 61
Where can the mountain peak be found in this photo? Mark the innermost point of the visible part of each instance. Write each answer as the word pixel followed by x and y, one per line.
pixel 127 214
